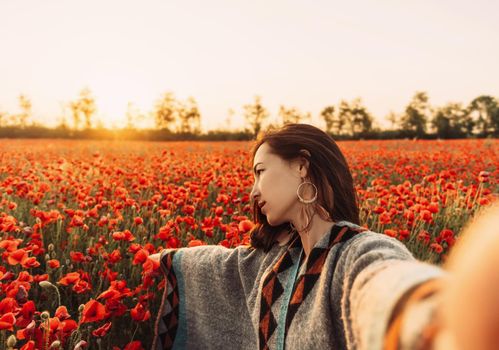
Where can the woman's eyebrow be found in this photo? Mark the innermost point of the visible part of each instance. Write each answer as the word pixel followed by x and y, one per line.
pixel 254 167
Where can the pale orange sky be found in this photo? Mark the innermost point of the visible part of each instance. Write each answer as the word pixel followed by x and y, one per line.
pixel 307 54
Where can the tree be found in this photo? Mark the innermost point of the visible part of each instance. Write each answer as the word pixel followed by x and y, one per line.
pixel 87 106
pixel 165 111
pixel 451 121
pixel 132 115
pixel 292 115
pixel 393 119
pixel 416 115
pixel 484 111
pixel 189 117
pixel 3 118
pixel 62 123
pixel 25 105
pixel 355 117
pixel 230 116
pixel 329 118
pixel 255 114
pixel 74 106
pixel 83 105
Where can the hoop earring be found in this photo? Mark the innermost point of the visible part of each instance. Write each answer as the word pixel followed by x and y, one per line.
pixel 306 201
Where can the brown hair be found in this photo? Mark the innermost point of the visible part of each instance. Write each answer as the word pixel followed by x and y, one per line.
pixel 328 170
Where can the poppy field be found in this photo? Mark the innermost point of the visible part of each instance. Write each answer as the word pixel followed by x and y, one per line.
pixel 78 220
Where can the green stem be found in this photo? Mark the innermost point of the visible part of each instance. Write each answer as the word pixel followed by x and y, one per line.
pixel 135 331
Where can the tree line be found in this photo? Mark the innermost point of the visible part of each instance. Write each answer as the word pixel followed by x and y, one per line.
pixel 181 119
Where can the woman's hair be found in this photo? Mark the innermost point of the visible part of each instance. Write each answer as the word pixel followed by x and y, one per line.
pixel 328 170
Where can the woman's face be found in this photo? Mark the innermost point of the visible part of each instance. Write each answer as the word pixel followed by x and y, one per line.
pixel 276 181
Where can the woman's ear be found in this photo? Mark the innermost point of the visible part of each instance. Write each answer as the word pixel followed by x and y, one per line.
pixel 303 168
pixel 304 162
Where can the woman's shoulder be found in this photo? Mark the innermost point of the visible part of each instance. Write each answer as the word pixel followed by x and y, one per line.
pixel 362 240
pixel 364 232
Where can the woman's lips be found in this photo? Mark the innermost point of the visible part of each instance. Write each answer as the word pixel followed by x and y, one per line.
pixel 262 205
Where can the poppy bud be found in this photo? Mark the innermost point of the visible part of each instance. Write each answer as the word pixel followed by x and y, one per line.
pixel 45 284
pixel 56 344
pixel 11 341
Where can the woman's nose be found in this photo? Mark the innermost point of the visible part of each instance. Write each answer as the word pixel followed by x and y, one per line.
pixel 254 193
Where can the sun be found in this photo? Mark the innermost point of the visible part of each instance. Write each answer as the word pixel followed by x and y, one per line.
pixel 113 96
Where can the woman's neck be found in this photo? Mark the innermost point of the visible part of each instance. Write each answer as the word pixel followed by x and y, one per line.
pixel 318 228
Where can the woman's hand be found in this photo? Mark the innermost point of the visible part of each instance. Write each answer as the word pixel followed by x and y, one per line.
pixel 470 301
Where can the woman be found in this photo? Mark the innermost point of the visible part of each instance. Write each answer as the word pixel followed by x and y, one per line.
pixel 312 277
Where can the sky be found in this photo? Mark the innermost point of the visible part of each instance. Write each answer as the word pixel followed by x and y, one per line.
pixel 303 54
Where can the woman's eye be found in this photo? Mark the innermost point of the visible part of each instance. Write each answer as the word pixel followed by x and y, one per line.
pixel 259 171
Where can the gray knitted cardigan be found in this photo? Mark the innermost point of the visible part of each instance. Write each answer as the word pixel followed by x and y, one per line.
pixel 244 298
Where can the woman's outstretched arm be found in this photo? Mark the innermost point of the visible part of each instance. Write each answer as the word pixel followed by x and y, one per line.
pixel 389 300
pixel 375 275
pixel 470 301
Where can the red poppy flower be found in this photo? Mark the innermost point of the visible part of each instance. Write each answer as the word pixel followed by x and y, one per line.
pixel 123 236
pixel 245 226
pixel 140 313
pixel 188 209
pixel 404 234
pixel 424 236
pixel 379 210
pixel 53 324
pixel 102 330
pixel 109 294
pixel 93 312
pixel 173 242
pixel 42 277
pixel 30 345
pixel 69 278
pixel 150 265
pixel 8 305
pixel 135 345
pixel 77 256
pixel 30 263
pixel 433 208
pixel 195 243
pixel 426 215
pixel 436 248
pixel 10 245
pixel 391 233
pixel 385 218
pixel 68 326
pixel 140 257
pixel 53 263
pixel 219 211
pixel 82 286
pixel 26 314
pixel 7 321
pixel 114 256
pixel 483 176
pixel 77 221
pixel 17 256
pixel 62 313
pixel 164 233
